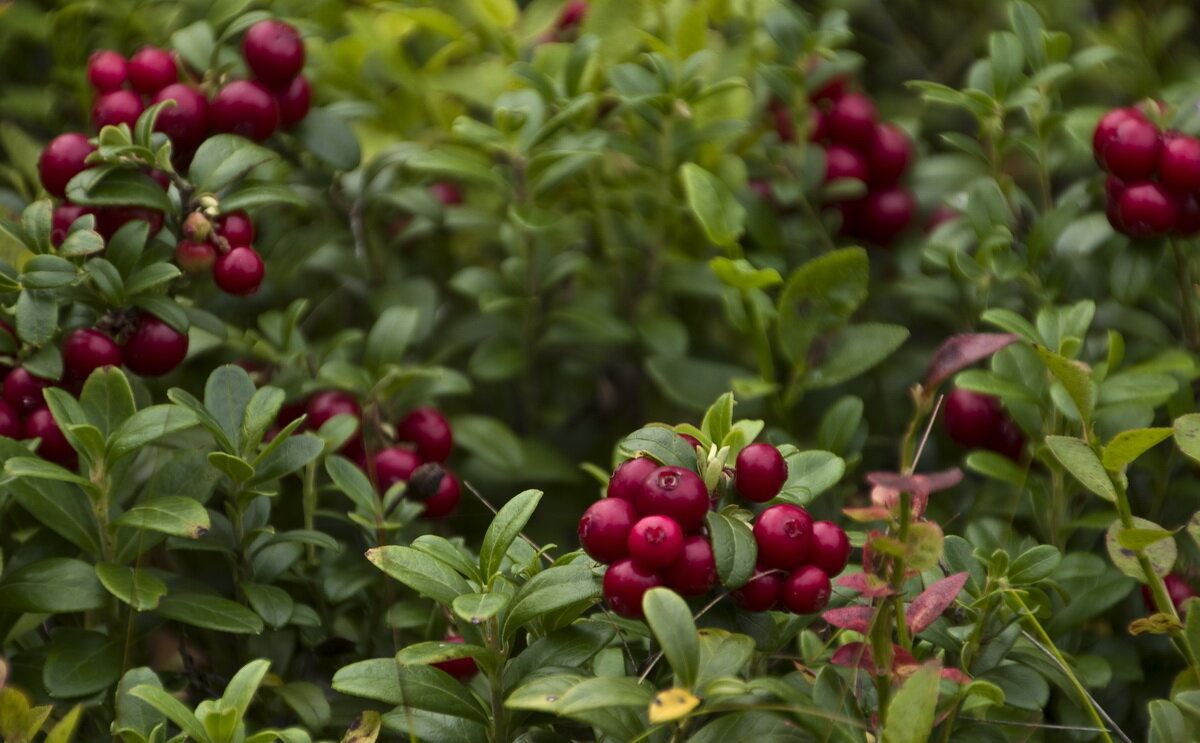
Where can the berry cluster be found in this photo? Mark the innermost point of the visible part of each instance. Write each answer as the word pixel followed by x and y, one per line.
pixel 1153 178
pixel 224 247
pixel 796 559
pixel 977 421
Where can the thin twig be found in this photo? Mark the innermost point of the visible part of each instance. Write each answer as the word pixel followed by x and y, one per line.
pixel 1113 727
pixel 937 405
pixel 658 656
pixel 494 510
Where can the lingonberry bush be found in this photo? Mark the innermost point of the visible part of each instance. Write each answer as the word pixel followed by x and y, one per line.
pixel 842 364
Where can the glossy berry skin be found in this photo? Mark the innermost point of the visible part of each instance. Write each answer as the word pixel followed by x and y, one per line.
pixel 462 669
pixel 445 500
pixel 626 481
pixel 624 586
pixel 761 592
pixel 447 193
pixel 1147 210
pixel 154 348
pixel 294 101
pixel 830 548
pixel 327 404
pixel 881 215
pixel 1134 151
pixel 676 493
pixel 10 421
pixel 87 349
pixel 604 529
pixel 274 52
pixel 245 108
pixel 844 162
pixel 23 391
pixel 761 472
pixel 117 107
pixel 655 542
pixel 185 123
pixel 690 439
pixel 40 424
pixel 107 70
pixel 806 590
pixel 395 464
pixel 889 154
pixel 1106 129
pixel 695 572
pixel 1008 440
pixel 240 271
pixel 64 216
pixel 235 227
pixel 429 431
pixel 971 419
pixel 1179 168
pixel 195 257
pixel 784 536
pixel 151 69
pixel 852 120
pixel 62 160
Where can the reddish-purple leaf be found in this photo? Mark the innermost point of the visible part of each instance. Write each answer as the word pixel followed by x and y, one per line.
pixel 955 675
pixel 889 485
pixel 934 600
pixel 853 654
pixel 960 351
pixel 870 586
pixel 857 618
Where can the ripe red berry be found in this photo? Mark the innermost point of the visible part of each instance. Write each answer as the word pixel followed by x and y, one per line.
pixel 107 70
pixel 429 431
pixel 109 219
pixel 65 216
pixel 844 162
pixel 761 472
pixel 626 481
pixel 445 499
pixel 761 592
pixel 460 668
pixel 151 69
pixel 625 583
pixel 890 153
pixel 604 529
pixel 1188 221
pixel 690 439
pixel 674 492
pixel 117 107
pixel 1008 440
pixel 880 216
pixel 447 193
pixel 831 90
pixel 1179 168
pixel 10 421
pixel 1147 210
pixel 154 348
pixel 852 120
pixel 87 349
pixel 294 101
pixel 655 542
pixel 1106 129
pixel 830 548
pixel 195 257
pixel 23 390
pixel 240 271
pixel 41 425
pixel 971 419
pixel 274 52
pixel 62 160
pixel 245 108
pixel 327 404
pixel 395 464
pixel 784 535
pixel 695 572
pixel 185 123
pixel 571 15
pixel 236 227
pixel 806 590
pixel 1134 151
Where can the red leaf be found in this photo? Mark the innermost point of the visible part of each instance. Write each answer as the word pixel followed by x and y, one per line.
pixel 853 654
pixel 870 586
pixel 934 600
pixel 955 675
pixel 960 351
pixel 889 485
pixel 857 618
pixel 901 658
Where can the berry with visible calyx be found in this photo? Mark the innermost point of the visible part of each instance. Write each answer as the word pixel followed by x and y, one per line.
pixel 107 70
pixel 54 446
pixel 195 257
pixel 1008 440
pixel 63 159
pixel 784 536
pixel 844 162
pixel 294 101
pixel 154 348
pixel 830 548
pixel 447 193
pixel 240 271
pixel 274 52
pixel 87 349
pixel 23 390
pixel 655 542
pixel 760 472
pixel 117 107
pixel 889 153
pixel 971 419
pixel 428 430
pixel 676 493
pixel 761 592
pixel 10 421
pixel 185 123
pixel 65 216
pixel 1179 168
pixel 626 481
pixel 880 216
pixel 462 669
pixel 852 120
pixel 695 572
pixel 245 108
pixel 151 69
pixel 1134 151
pixel 327 404
pixel 625 583
pixel 1106 129
pixel 395 464
pixel 444 486
pixel 236 227
pixel 1147 210
pixel 806 590
pixel 604 529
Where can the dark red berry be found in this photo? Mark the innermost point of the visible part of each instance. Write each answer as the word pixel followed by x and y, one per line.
pixel 185 123
pixel 761 472
pixel 852 120
pixel 831 90
pixel 394 464
pixel 23 390
pixel 240 271
pixel 151 69
pixel 107 70
pixel 236 227
pixel 41 425
pixel 245 108
pixel 830 548
pixel 195 257
pixel 624 586
pixel 447 193
pixel 1134 151
pixel 784 536
pixel 1147 210
pixel 1179 168
pixel 62 160
pixel 785 125
pixel 604 529
pixel 154 348
pixel 1188 221
pixel 117 107
pixel 889 153
pixel 87 349
pixel 690 439
pixel 109 219
pixel 571 15
pixel 429 431
pixel 460 668
pixel 445 498
pixel 10 421
pixel 695 572
pixel 274 52
pixel 1008 440
pixel 761 593
pixel 626 481
pixel 971 419
pixel 327 404
pixel 65 216
pixel 844 162
pixel 674 492
pixel 294 101
pixel 806 590
pixel 1106 129
pixel 655 542
pixel 880 216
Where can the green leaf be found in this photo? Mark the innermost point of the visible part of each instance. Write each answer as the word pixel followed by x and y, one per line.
pixel 61 507
pixel 742 275
pixel 226 394
pixel 390 336
pixel 164 308
pixel 136 587
pixel 46 362
pixel 195 44
pixel 254 195
pixel 148 425
pixel 1187 435
pixel 223 159
pixel 171 514
pixel 713 204
pixel 660 444
pixel 81 663
pixel 174 710
pixel 117 187
pixel 550 590
pixel 911 712
pixel 479 607
pixel 210 612
pixel 241 688
pixel 1034 564
pixel 819 296
pixel 1076 377
pixel 855 350
pixel 734 548
pixel 260 414
pixel 420 572
pixel 330 138
pixel 1161 552
pixel 42 470
pixel 132 712
pixel 695 383
pixel 718 419
pixel 290 456
pixel 272 603
pixel 238 469
pixel 308 701
pixel 505 527
pixel 52 586
pixel 151 277
pixel 351 481
pixel 671 621
pixel 1082 462
pixel 420 687
pixel 1167 723
pixel 810 473
pixel 107 280
pixel 107 399
pixel 83 242
pixel 37 316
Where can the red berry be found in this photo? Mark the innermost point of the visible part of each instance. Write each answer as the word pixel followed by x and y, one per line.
pixel 429 431
pixel 65 216
pixel 761 592
pixel 327 404
pixel 760 472
pixel 1179 168
pixel 783 534
pixel 1147 210
pixel 445 500
pixel 830 548
pixel 624 586
pixel 626 481
pixel 880 216
pixel 1106 129
pixel 1008 440
pixel 87 349
pixel 185 123
pixel 832 90
pixel 690 439
pixel 460 668
pixel 852 119
pixel 151 69
pixel 109 219
pixel 62 160
pixel 395 464
pixel 274 52
pixel 236 227
pixel 154 348
pixel 695 573
pixel 10 421
pixel 107 70
pixel 41 425
pixel 117 107
pixel 971 419
pixel 604 529
pixel 674 492
pixel 890 153
pixel 23 391
pixel 245 108
pixel 806 590
pixel 571 15
pixel 240 271
pixel 1188 221
pixel 195 257
pixel 1134 150
pixel 294 101
pixel 447 193
pixel 844 162
pixel 655 542
pixel 785 125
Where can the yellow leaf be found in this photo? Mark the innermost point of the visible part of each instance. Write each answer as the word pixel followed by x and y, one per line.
pixel 672 704
pixel 364 729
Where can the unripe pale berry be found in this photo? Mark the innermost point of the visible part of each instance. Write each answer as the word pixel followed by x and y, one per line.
pixel 195 257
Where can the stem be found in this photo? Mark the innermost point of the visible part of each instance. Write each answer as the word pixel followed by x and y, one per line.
pixel 499 733
pixel 1187 304
pixel 310 507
